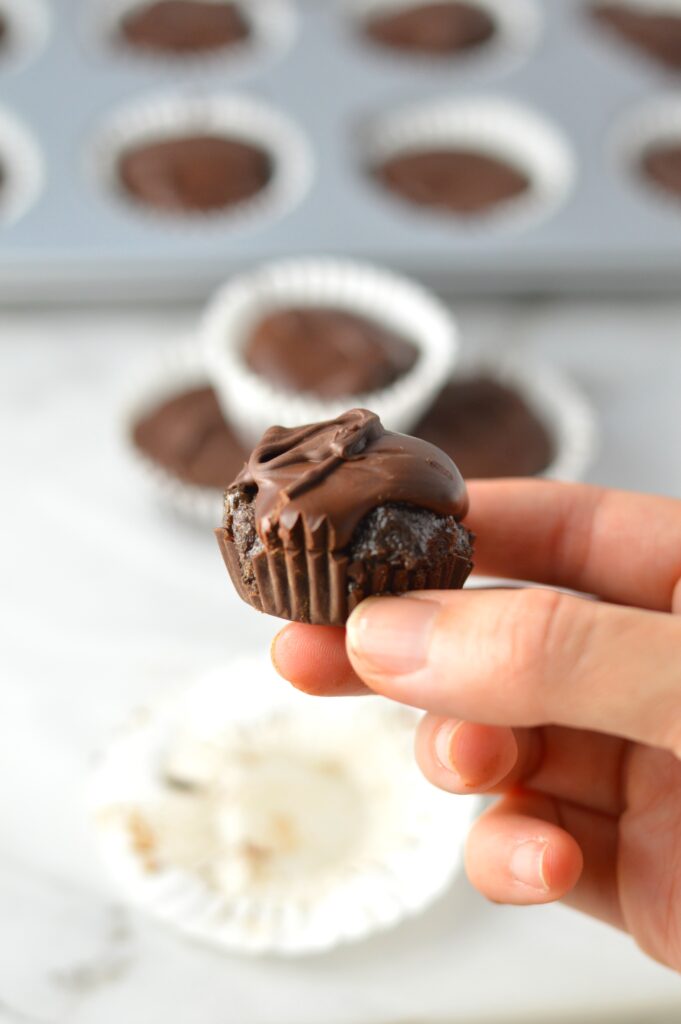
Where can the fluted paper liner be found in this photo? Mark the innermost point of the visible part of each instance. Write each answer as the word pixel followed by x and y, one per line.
pixel 323 587
pixel 246 815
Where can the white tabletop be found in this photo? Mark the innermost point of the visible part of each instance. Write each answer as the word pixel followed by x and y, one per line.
pixel 109 601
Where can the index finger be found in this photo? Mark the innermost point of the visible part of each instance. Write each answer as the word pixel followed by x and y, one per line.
pixel 622 546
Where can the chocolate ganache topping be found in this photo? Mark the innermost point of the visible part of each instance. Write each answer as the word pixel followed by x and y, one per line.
pixel 330 475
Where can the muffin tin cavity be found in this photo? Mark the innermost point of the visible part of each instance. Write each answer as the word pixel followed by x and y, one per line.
pixel 24 29
pixel 212 158
pixel 21 169
pixel 480 160
pixel 651 28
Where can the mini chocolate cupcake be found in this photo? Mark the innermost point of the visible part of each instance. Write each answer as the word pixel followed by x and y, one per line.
pixel 325 515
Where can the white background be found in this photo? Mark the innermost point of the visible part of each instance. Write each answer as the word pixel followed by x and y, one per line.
pixel 108 601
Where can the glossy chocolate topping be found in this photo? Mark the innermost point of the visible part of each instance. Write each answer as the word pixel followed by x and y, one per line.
pixel 328 476
pixel 327 352
pixel 435 29
pixel 184 26
pixel 655 31
pixel 200 172
pixel 457 180
pixel 661 164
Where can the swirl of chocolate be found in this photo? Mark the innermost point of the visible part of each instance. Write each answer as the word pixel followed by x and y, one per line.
pixel 330 475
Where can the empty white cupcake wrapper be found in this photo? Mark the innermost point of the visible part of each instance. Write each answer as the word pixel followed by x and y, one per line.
pixel 22 165
pixel 28 28
pixel 655 122
pixel 493 126
pixel 272 28
pixel 259 820
pixel 230 115
pixel 254 404
pixel 178 371
pixel 517 29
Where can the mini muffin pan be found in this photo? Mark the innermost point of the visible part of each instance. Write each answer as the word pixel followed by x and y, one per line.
pixel 334 98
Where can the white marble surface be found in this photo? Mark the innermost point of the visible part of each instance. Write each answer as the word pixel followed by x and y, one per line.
pixel 107 602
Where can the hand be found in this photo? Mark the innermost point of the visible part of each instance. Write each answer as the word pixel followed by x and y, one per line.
pixel 569 708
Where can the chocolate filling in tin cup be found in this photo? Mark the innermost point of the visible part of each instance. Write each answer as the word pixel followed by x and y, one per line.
pixel 21 168
pixel 227 33
pixel 449 32
pixel 648 144
pixel 375 308
pixel 473 162
pixel 244 815
pixel 24 29
pixel 648 28
pixel 203 159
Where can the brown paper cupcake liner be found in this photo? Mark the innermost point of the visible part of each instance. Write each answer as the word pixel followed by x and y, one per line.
pixel 323 587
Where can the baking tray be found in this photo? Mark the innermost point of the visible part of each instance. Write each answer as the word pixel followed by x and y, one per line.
pixel 76 241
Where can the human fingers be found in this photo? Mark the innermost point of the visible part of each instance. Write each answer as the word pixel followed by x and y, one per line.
pixel 530 849
pixel 314 659
pixel 622 546
pixel 464 757
pixel 524 658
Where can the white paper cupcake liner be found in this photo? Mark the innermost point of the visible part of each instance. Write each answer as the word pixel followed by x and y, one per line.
pixel 655 122
pixel 28 27
pixel 490 125
pixel 22 166
pixel 259 820
pixel 223 114
pixel 558 403
pixel 272 24
pixel 517 29
pixel 395 302
pixel 179 371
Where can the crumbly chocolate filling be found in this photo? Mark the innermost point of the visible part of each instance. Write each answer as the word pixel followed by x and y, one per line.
pixel 393 534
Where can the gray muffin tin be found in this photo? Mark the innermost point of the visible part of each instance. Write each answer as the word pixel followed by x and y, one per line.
pixel 78 242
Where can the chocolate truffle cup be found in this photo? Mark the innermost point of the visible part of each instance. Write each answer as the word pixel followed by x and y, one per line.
pixel 517 26
pixel 327 515
pixel 628 47
pixel 494 127
pixel 271 29
pixel 22 168
pixel 556 401
pixel 233 116
pixel 393 302
pixel 179 371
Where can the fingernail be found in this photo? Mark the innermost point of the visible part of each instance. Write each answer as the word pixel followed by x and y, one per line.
pixel 444 747
pixel 392 634
pixel 528 864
